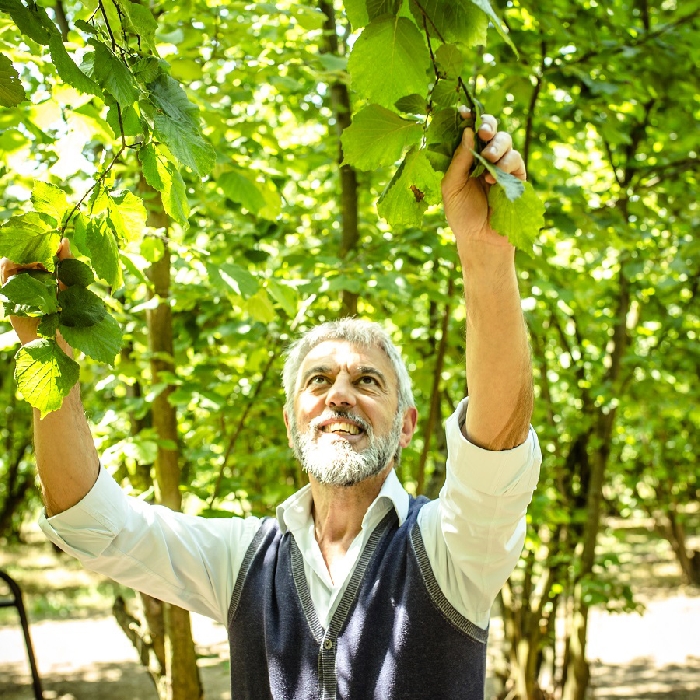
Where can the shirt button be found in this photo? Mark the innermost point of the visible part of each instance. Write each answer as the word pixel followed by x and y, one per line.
pixel 328 644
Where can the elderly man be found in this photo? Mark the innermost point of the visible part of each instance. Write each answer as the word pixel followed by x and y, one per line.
pixel 355 590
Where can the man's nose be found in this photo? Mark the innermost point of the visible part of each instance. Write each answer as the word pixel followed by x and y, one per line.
pixel 341 393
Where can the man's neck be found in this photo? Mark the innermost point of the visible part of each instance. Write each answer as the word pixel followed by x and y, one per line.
pixel 338 512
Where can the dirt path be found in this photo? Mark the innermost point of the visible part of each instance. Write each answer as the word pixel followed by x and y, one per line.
pixel 647 657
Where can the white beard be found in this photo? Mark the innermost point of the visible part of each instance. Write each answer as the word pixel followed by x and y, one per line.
pixel 335 461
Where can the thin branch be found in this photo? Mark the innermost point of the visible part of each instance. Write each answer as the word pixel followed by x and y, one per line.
pixel 233 439
pixel 99 179
pixel 594 53
pixel 533 102
pixel 435 394
pixel 430 48
pixel 109 29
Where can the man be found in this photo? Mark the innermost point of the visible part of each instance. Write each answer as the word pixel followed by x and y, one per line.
pixel 354 590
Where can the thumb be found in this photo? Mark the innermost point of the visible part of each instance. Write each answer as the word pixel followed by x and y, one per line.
pixel 458 172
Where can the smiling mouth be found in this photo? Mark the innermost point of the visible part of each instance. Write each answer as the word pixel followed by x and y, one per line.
pixel 341 428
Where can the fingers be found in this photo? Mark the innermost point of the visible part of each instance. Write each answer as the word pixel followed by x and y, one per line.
pixel 512 162
pixel 499 145
pixel 64 250
pixel 488 127
pixel 9 269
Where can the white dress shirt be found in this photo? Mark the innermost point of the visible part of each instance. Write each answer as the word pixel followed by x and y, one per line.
pixel 473 534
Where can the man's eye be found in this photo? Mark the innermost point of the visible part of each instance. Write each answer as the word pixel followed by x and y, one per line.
pixel 369 380
pixel 318 379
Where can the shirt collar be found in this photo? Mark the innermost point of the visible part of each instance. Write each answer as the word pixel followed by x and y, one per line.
pixel 295 512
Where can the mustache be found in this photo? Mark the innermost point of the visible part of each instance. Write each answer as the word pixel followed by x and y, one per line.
pixel 339 416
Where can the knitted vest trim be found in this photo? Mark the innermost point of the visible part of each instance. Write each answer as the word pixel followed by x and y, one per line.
pixel 252 550
pixel 437 596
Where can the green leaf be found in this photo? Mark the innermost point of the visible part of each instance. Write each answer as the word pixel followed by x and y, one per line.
pixel 520 220
pixel 512 186
pixel 68 70
pixel 127 215
pixel 130 123
pixel 27 239
pixel 51 200
pixel 238 187
pixel 378 137
pixel 45 374
pixel 31 21
pixel 413 188
pixel 446 126
pixel 238 279
pixel 153 167
pixel 356 11
pixel 152 249
pixel 177 125
pixel 104 252
pixel 11 90
pixel 260 307
pixel 143 23
pixel 101 341
pixel 485 7
pixel 458 21
pixel 377 8
pixel 389 60
pixel 48 326
pixel 73 272
pixel 446 93
pixel 285 296
pixel 450 60
pixel 147 69
pixel 114 76
pixel 28 296
pixel 80 308
pixel 412 104
pixel 163 176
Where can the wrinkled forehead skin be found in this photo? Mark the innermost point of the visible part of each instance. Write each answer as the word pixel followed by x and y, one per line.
pixel 344 355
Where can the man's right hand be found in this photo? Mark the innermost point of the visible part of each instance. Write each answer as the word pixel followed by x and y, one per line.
pixel 26 328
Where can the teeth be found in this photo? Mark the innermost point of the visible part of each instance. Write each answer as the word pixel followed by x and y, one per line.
pixel 342 427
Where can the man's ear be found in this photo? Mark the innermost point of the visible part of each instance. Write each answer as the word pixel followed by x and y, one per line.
pixel 408 427
pixel 289 432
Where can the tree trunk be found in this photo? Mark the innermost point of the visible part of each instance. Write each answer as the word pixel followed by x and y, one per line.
pixel 181 679
pixel 435 394
pixel 578 673
pixel 340 99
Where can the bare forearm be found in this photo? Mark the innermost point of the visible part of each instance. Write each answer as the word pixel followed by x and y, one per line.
pixel 66 457
pixel 499 371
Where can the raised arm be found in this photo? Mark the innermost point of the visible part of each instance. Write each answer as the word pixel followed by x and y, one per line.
pixel 66 457
pixel 499 371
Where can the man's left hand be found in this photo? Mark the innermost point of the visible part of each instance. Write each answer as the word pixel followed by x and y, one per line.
pixel 466 198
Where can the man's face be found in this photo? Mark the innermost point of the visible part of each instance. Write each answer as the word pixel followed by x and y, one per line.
pixel 346 427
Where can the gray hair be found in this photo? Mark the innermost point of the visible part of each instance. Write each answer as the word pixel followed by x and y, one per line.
pixel 364 334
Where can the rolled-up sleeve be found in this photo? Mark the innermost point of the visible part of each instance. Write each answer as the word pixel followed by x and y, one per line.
pixel 189 561
pixel 475 531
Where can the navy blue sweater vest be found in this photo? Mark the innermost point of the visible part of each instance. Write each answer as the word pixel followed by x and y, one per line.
pixel 393 636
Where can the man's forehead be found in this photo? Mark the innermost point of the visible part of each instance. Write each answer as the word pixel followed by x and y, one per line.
pixel 343 354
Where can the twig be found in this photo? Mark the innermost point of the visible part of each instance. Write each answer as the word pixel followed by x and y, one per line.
pixel 100 178
pixel 109 29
